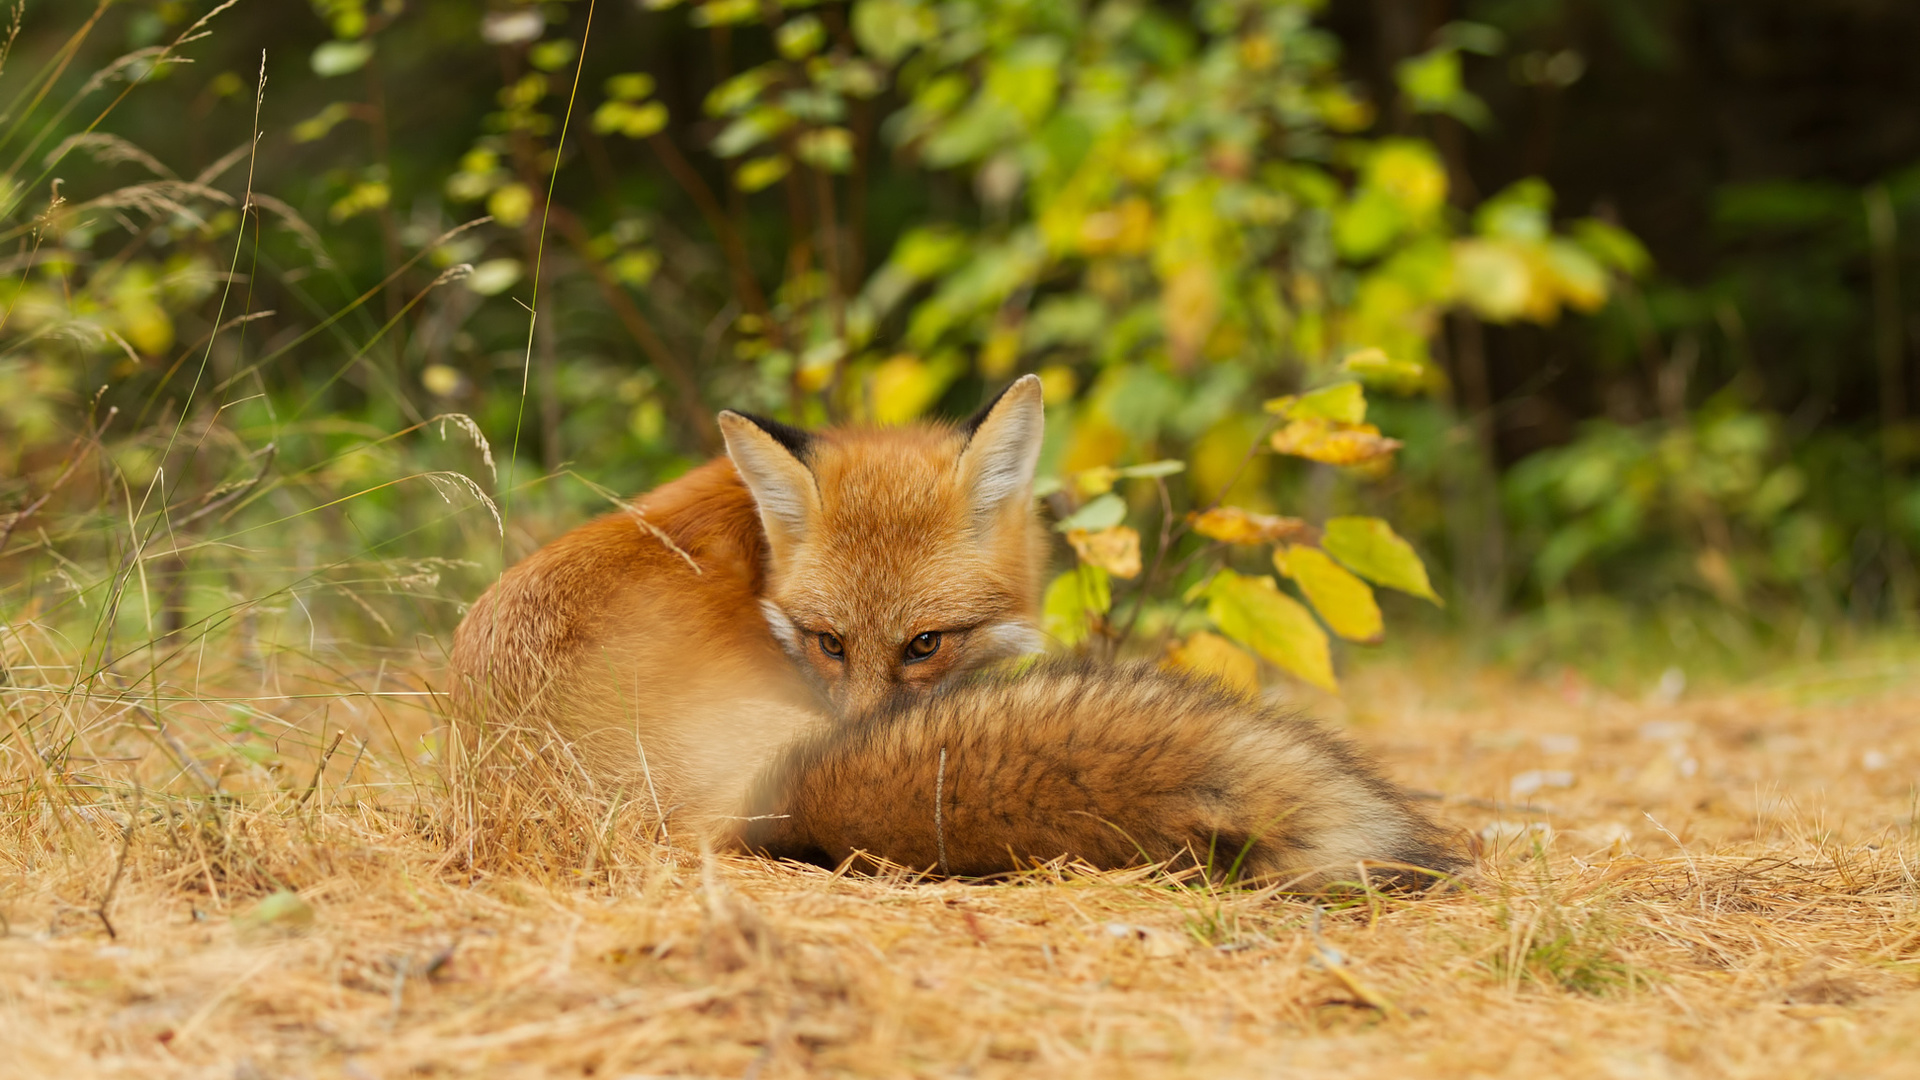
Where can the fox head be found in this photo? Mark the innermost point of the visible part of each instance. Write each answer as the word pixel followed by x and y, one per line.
pixel 898 557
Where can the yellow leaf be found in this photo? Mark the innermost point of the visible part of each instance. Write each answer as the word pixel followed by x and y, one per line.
pixel 1376 369
pixel 761 172
pixel 905 386
pixel 1344 602
pixel 1189 305
pixel 1237 526
pixel 1001 353
pixel 1333 444
pixel 1094 482
pixel 1057 384
pixel 1341 403
pixel 1409 171
pixel 1494 277
pixel 1127 229
pixel 1210 654
pixel 1115 550
pixel 1073 602
pixel 1580 277
pixel 1369 547
pixel 511 204
pixel 1254 612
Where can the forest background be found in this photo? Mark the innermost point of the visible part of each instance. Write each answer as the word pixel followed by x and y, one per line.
pixel 1609 304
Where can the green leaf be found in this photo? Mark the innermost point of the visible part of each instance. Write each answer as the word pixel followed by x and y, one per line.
pixel 633 121
pixel 340 57
pixel 750 131
pixel 761 172
pixel 1369 547
pixel 1254 612
pixel 284 911
pixel 319 124
pixel 495 276
pixel 725 13
pixel 829 148
pixel 800 37
pixel 1344 602
pixel 553 55
pixel 1152 469
pixel 632 86
pixel 1342 403
pixel 1366 225
pixel 741 91
pixel 1615 247
pixel 1493 277
pixel 1073 601
pixel 889 29
pixel 1430 79
pixel 1102 513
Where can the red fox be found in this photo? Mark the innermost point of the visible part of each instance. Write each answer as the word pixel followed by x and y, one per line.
pixel 775 648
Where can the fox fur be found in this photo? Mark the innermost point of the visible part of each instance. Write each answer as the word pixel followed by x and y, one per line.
pixel 791 636
pixel 1111 765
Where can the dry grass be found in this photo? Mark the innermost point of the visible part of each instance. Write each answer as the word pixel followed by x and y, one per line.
pixel 1727 889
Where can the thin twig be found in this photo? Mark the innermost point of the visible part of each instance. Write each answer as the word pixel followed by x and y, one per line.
pixel 120 865
pixel 215 504
pixel 320 770
pixel 939 825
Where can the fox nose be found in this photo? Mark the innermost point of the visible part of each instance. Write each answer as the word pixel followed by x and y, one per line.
pixel 859 695
pixel 864 687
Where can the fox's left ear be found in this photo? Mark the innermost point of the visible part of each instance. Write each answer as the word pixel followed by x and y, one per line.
pixel 1003 448
pixel 772 458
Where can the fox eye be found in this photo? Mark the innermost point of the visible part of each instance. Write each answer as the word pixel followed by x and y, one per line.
pixel 831 645
pixel 923 646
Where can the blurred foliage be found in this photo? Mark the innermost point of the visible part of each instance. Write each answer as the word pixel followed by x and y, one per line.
pixel 259 341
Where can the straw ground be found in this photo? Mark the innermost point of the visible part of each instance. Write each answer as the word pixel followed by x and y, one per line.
pixel 270 880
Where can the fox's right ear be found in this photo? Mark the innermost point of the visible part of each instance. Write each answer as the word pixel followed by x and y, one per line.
pixel 771 458
pixel 1003 448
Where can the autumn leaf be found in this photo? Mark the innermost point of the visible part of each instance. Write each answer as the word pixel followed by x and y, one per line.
pixel 1074 600
pixel 1210 654
pixel 1254 612
pixel 1115 550
pixel 1376 369
pixel 1333 444
pixel 1237 526
pixel 1341 403
pixel 1369 547
pixel 1344 602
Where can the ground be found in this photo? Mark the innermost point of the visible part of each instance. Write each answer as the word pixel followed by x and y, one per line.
pixel 1672 882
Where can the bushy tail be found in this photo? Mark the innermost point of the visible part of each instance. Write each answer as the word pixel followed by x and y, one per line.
pixel 1115 766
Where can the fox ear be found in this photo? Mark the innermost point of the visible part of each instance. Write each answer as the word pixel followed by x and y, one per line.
pixel 772 458
pixel 1003 448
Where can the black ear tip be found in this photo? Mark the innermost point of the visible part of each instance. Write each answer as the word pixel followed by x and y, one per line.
pixel 1023 382
pixel 798 441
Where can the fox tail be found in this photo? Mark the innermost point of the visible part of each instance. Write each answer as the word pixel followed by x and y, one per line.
pixel 1111 766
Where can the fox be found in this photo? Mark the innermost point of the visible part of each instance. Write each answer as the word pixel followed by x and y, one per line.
pixel 771 652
